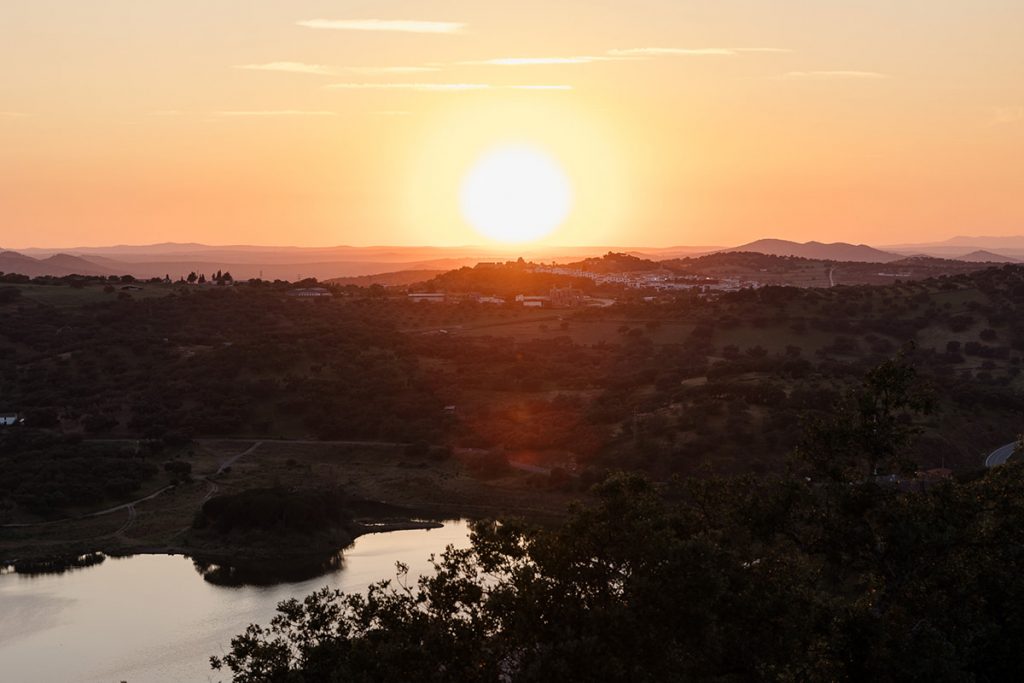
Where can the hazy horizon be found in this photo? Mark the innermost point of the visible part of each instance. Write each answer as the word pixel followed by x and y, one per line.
pixel 982 241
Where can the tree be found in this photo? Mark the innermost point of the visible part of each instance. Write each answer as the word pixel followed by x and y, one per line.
pixel 871 426
pixel 192 277
pixel 733 580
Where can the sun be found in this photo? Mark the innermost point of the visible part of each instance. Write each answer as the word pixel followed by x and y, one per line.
pixel 515 193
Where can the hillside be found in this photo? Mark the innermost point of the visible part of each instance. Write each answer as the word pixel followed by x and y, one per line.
pixel 719 381
pixel 986 241
pixel 76 265
pixel 396 279
pixel 836 251
pixel 984 256
pixel 614 262
pixel 57 265
pixel 764 269
pixel 505 279
pixel 13 262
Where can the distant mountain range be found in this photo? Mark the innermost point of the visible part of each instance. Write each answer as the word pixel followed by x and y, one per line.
pixel 243 263
pixel 862 253
pixel 287 263
pixel 58 264
pixel 987 242
pixel 836 251
pixel 967 248
pixel 984 256
pixel 387 263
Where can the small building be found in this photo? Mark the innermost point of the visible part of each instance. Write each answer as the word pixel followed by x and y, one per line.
pixel 534 301
pixel 309 292
pixel 484 299
pixel 8 419
pixel 428 297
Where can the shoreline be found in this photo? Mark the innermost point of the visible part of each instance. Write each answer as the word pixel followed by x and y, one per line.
pixel 71 559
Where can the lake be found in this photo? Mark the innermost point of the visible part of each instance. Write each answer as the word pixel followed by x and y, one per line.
pixel 154 619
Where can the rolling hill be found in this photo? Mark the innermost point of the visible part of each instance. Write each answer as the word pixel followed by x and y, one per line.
pixel 395 279
pixel 57 265
pixel 984 256
pixel 836 251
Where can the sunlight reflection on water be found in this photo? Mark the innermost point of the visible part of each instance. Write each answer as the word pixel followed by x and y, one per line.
pixel 152 618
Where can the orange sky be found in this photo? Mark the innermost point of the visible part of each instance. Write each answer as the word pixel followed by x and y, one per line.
pixel 678 122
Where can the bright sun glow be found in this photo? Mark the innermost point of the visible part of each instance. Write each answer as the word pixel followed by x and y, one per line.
pixel 515 193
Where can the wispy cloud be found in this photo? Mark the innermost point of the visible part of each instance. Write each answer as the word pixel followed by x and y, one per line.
pixel 692 51
pixel 410 86
pixel 1004 115
pixel 166 112
pixel 442 87
pixel 396 25
pixel 833 75
pixel 275 112
pixel 324 70
pixel 391 69
pixel 530 61
pixel 540 87
pixel 289 67
pixel 764 50
pixel 13 114
pixel 670 51
pixel 624 54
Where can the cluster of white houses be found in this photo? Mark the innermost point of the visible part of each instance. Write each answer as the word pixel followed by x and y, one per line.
pixel 657 280
pixel 309 292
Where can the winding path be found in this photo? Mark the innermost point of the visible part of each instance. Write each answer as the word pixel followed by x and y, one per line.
pixel 234 458
pixel 130 506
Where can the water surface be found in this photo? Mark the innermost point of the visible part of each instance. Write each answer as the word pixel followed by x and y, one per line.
pixel 154 619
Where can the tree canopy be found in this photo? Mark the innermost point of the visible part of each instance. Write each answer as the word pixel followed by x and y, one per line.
pixel 722 580
pixel 822 576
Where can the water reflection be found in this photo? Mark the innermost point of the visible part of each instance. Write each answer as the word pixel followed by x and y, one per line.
pixel 53 565
pixel 151 619
pixel 268 572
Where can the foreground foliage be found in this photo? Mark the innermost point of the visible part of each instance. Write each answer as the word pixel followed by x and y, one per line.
pixel 724 580
pixel 830 575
